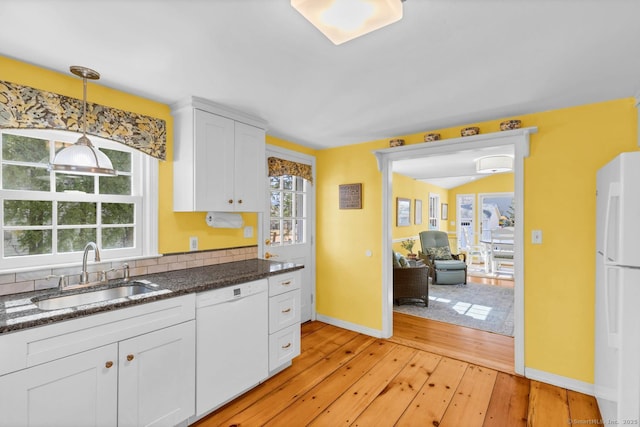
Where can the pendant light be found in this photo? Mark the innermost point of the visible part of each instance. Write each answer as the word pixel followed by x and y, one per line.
pixel 82 158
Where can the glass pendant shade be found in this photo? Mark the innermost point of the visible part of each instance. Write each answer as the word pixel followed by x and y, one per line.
pixel 82 158
pixel 344 20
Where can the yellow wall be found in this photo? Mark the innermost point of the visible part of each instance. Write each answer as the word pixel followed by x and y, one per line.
pixel 279 142
pixel 348 283
pixel 559 180
pixel 174 228
pixel 412 189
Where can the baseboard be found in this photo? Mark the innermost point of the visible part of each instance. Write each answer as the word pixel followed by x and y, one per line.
pixel 559 381
pixel 376 333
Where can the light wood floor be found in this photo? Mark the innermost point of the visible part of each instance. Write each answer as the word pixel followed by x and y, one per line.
pixel 428 374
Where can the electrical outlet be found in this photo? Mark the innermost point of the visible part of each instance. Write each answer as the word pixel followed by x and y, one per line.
pixel 536 237
pixel 248 231
pixel 193 243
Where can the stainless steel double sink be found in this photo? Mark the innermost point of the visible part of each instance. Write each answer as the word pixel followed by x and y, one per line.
pixel 91 297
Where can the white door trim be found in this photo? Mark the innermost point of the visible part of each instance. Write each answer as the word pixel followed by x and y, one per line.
pixel 272 150
pixel 520 140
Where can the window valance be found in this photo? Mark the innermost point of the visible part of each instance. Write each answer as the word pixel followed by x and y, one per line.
pixel 24 107
pixel 279 167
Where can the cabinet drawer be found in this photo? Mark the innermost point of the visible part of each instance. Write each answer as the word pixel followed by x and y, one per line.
pixel 284 310
pixel 284 345
pixel 284 283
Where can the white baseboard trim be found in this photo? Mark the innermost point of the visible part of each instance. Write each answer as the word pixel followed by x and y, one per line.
pixel 376 333
pixel 559 381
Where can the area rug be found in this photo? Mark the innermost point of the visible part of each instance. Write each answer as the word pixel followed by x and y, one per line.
pixel 474 305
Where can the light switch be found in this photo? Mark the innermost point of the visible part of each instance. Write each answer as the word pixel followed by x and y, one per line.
pixel 193 243
pixel 536 237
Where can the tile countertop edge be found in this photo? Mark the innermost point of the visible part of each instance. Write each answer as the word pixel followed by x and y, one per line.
pixel 17 312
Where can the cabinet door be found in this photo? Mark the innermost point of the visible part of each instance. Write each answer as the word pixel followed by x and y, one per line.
pixel 214 163
pixel 157 377
pixel 250 168
pixel 78 390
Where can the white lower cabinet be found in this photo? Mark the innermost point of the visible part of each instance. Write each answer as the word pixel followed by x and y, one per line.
pixel 284 319
pixel 79 390
pixel 142 375
pixel 156 377
pixel 137 366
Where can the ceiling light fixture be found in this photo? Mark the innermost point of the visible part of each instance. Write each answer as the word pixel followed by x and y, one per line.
pixel 494 164
pixel 82 158
pixel 344 20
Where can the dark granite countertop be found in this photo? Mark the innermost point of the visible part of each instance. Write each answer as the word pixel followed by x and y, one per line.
pixel 18 311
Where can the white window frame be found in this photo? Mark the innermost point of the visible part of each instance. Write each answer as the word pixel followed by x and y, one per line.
pixel 434 211
pixel 145 194
pixel 304 216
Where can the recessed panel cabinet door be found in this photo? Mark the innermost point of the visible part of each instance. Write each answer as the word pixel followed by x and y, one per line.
pixel 250 168
pixel 157 377
pixel 78 390
pixel 214 161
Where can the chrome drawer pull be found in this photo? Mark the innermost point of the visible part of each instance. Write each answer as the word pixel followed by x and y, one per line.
pixel 286 346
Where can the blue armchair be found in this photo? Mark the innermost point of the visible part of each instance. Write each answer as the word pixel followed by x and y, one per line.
pixel 445 268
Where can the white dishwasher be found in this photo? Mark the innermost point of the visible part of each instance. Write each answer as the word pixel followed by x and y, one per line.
pixel 232 342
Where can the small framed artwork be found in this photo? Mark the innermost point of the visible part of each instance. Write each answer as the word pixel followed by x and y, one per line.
pixel 417 214
pixel 350 196
pixel 403 212
pixel 445 211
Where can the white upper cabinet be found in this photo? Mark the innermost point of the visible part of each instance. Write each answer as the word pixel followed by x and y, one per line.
pixel 218 159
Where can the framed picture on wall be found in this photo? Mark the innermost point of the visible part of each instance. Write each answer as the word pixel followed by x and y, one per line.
pixel 417 214
pixel 350 196
pixel 403 212
pixel 445 211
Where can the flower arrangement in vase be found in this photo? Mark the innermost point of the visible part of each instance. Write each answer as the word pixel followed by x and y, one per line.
pixel 408 246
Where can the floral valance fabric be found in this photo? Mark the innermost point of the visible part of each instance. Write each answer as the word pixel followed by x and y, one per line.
pixel 279 167
pixel 23 107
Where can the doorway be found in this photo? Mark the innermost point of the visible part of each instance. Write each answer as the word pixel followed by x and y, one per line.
pixel 287 228
pixel 519 140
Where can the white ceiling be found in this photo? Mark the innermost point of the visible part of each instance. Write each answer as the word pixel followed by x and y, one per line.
pixel 446 63
pixel 448 170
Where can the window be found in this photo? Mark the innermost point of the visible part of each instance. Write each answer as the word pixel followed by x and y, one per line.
pixel 288 214
pixel 48 217
pixel 434 207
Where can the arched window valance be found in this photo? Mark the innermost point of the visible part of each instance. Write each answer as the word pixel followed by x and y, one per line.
pixel 279 167
pixel 24 107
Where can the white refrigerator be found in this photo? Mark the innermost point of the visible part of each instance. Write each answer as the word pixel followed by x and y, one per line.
pixel 617 296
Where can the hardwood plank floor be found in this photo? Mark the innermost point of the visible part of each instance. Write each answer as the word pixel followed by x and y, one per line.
pixel 417 378
pixel 471 345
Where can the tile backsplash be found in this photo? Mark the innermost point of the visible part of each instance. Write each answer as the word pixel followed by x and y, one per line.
pixel 13 283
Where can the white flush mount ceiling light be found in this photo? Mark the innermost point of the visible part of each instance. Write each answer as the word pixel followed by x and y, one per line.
pixel 82 158
pixel 344 20
pixel 494 164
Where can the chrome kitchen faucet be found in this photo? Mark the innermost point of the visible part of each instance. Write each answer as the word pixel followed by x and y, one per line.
pixel 84 276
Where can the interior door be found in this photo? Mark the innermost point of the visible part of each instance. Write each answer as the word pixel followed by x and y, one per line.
pixel 288 226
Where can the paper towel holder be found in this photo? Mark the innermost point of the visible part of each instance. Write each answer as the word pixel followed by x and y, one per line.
pixel 224 220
